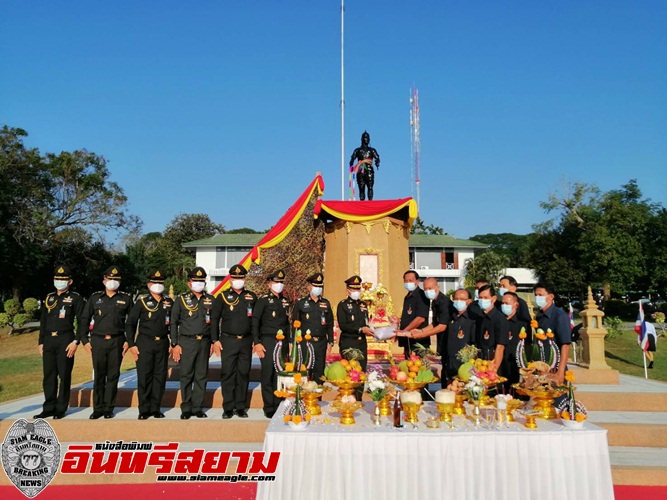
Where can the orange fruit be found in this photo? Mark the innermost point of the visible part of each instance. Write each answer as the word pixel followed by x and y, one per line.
pixel 412 374
pixel 414 368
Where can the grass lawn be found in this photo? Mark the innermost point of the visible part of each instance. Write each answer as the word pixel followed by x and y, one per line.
pixel 21 366
pixel 623 354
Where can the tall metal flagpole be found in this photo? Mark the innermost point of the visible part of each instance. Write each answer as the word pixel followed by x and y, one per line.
pixel 342 100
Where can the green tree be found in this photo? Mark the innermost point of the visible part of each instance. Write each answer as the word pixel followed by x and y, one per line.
pixel 486 266
pixel 243 230
pixel 512 246
pixel 419 227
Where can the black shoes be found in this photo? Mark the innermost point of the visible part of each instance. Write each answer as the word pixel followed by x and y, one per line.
pixel 95 415
pixel 227 414
pixel 144 416
pixel 158 414
pixel 200 414
pixel 241 413
pixel 44 414
pixel 650 365
pixel 186 415
pixel 270 413
pixel 109 414
pixel 59 415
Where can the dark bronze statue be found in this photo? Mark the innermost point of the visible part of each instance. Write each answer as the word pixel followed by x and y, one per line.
pixel 364 155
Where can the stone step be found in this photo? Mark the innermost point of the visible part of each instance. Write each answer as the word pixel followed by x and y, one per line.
pixel 611 401
pixel 174 372
pixel 632 465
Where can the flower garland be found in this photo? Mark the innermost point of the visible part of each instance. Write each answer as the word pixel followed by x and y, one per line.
pixel 299 359
pixel 544 349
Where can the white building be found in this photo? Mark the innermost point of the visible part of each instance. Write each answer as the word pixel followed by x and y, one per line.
pixel 439 256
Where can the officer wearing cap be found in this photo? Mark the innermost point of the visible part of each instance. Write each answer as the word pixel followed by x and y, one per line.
pixel 104 318
pixel 268 317
pixel 194 324
pixel 352 316
pixel 316 317
pixel 149 344
pixel 57 344
pixel 235 342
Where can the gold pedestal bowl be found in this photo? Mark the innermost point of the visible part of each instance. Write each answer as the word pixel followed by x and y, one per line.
pixel 346 411
pixel 544 400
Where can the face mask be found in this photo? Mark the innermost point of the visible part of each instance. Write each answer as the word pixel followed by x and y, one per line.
pixel 277 287
pixel 238 284
pixel 484 304
pixel 112 285
pixel 316 291
pixel 460 305
pixel 157 288
pixel 540 301
pixel 355 295
pixel 502 291
pixel 410 287
pixel 430 294
pixel 60 284
pixel 507 309
pixel 197 286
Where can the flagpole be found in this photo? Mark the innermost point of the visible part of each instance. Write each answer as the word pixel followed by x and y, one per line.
pixel 645 369
pixel 342 100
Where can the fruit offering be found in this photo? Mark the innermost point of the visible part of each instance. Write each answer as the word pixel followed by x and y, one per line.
pixel 456 386
pixel 344 370
pixel 412 369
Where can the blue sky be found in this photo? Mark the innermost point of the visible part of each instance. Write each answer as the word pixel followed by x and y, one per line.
pixel 230 108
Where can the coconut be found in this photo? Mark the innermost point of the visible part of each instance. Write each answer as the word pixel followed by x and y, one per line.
pixel 444 396
pixel 411 397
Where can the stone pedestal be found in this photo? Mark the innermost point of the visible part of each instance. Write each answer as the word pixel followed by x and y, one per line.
pixel 592 338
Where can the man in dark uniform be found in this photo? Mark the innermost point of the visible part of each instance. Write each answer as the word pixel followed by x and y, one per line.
pixel 473 309
pixel 415 310
pixel 316 317
pixel 438 313
pixel 460 333
pixel 57 344
pixel 104 315
pixel 510 309
pixel 270 316
pixel 150 350
pixel 235 343
pixel 509 284
pixel 352 316
pixel 554 318
pixel 491 328
pixel 194 322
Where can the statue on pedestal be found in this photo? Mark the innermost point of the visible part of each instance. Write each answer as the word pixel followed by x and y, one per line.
pixel 364 156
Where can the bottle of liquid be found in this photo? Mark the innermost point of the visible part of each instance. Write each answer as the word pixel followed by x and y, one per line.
pixel 398 412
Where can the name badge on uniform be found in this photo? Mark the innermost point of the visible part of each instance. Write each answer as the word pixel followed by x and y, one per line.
pixel 62 313
pixel 460 334
pixel 249 311
pixel 486 335
pixel 410 310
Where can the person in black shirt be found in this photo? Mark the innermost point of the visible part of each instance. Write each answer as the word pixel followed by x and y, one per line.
pixel 194 324
pixel 270 316
pixel 235 344
pixel 491 328
pixel 57 343
pixel 415 310
pixel 510 309
pixel 473 309
pixel 509 284
pixel 152 313
pixel 316 317
pixel 439 309
pixel 460 333
pixel 352 316
pixel 554 318
pixel 104 315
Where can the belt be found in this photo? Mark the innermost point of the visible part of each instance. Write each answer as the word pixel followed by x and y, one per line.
pixel 239 337
pixel 61 332
pixel 154 337
pixel 352 336
pixel 196 337
pixel 106 337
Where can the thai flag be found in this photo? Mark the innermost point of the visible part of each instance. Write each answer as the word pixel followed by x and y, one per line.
pixel 571 316
pixel 640 328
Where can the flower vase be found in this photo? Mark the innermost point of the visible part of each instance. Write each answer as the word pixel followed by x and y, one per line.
pixel 377 413
pixel 385 406
pixel 476 414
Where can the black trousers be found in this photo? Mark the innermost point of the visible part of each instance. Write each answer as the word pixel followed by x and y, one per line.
pixel 365 178
pixel 107 357
pixel 151 372
pixel 57 372
pixel 194 372
pixel 235 373
pixel 268 372
pixel 320 348
pixel 356 342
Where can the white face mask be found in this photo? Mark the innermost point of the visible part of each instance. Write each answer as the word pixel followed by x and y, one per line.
pixel 355 295
pixel 157 288
pixel 197 286
pixel 238 284
pixel 410 287
pixel 430 294
pixel 112 285
pixel 316 291
pixel 60 284
pixel 277 287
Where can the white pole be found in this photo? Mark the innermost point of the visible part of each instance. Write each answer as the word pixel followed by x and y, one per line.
pixel 342 100
pixel 645 370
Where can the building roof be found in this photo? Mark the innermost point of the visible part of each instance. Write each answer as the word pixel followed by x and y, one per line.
pixel 416 240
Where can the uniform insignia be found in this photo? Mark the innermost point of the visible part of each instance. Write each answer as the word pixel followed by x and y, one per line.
pixel 460 334
pixel 165 305
pixel 157 274
pixel 306 304
pixel 273 314
pixel 150 314
pixel 199 272
pixel 486 335
pixel 149 303
pixel 410 310
pixel 270 301
pixel 61 270
pixel 120 302
pixel 307 316
pixel 323 306
pixel 281 274
pixel 511 336
pixel 67 300
pixel 352 318
pixel 114 271
pixel 31 455
pixel 355 281
pixel 207 301
pixel 230 296
pixel 248 296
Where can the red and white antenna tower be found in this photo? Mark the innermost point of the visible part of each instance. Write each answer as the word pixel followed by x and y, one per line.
pixel 415 141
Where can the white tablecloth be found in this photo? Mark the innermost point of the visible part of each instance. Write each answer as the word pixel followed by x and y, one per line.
pixel 330 461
